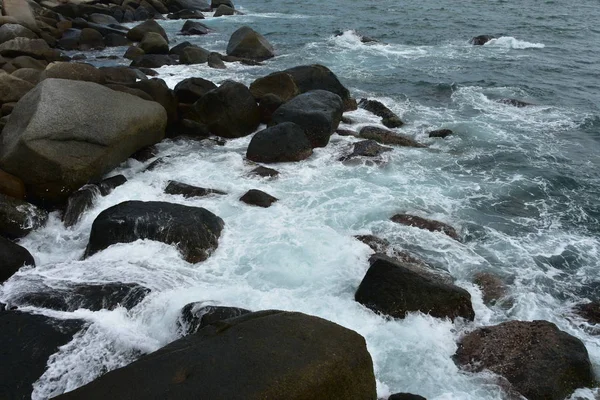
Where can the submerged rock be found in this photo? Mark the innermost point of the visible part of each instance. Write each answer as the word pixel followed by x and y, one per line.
pixel 12 258
pixel 258 198
pixel 589 311
pixel 109 184
pixel 194 230
pixel 265 172
pixel 187 191
pixel 247 43
pixel 393 288
pixel 539 360
pixel 195 316
pixel 18 218
pixel 366 148
pixel 427 224
pixel 440 133
pixel 492 287
pixel 388 117
pixel 384 136
pixel 78 203
pixel 481 40
pixel 281 143
pixel 271 354
pixel 515 103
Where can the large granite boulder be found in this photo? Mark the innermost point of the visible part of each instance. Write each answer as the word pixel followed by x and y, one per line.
pixel 28 341
pixel 11 186
pixel 540 361
pixel 194 28
pixel 191 89
pixel 197 5
pixel 36 48
pixel 192 55
pixel 230 111
pixel 280 143
pixel 261 355
pixel 281 84
pixel 392 288
pixel 11 31
pixel 21 12
pixel 137 33
pixel 64 133
pixel 154 43
pixel 194 230
pixel 18 218
pixel 73 71
pixel 318 112
pixel 12 88
pixel 12 257
pixel 319 77
pixel 247 43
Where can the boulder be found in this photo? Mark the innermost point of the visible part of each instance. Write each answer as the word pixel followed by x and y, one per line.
pixel 160 93
pixel 247 43
pixel 217 3
pixel 28 341
pixel 12 257
pixel 492 287
pixel 133 53
pixel 188 191
pixel 28 74
pixel 319 77
pixel 194 230
pixel 194 55
pixel 28 62
pixel 64 133
pixel 214 61
pixel 195 316
pixel 427 224
pixel 78 203
pixel 7 108
pixel 384 136
pixel 121 75
pixel 406 396
pixel 366 148
pixel 186 14
pixel 589 311
pixel 318 112
pixel 267 107
pixel 18 218
pixel 137 33
pixel 73 71
pixel 21 12
pixel 178 49
pixel 392 288
pixel 194 28
pixel 152 60
pixel 116 40
pixel 281 84
pixel 196 5
pixel 190 129
pixel 11 31
pixel 264 172
pixel 154 43
pixel 70 39
pixel 91 39
pixel 440 133
pixel 11 186
pixel 96 297
pixel 230 111
pixel 191 89
pixel 281 143
pixel 36 48
pixel 241 60
pixel 12 88
pixel 223 10
pixel 102 19
pixel 134 92
pixel 536 358
pixel 481 40
pixel 107 185
pixel 388 117
pixel 271 354
pixel 258 198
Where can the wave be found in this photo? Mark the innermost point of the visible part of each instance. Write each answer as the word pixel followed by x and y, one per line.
pixel 513 43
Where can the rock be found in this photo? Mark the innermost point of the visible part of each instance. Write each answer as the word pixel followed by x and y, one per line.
pixel 217 3
pixel 73 71
pixel 134 52
pixel 392 288
pixel 78 203
pixel 589 311
pixel 137 33
pixel 280 84
pixel 195 316
pixel 197 5
pixel 296 354
pixel 258 198
pixel 247 43
pixel 7 108
pixel 36 48
pixel 281 143
pixel 481 40
pixel 91 39
pixel 28 341
pixel 70 39
pixel 241 60
pixel 28 74
pixel 21 12
pixel 388 118
pixel 134 92
pixel 190 129
pixel 264 172
pixel 440 133
pixel 214 61
pixel 145 154
pixel 346 132
pixel 384 136
pixel 116 40
pixel 188 191
pixel 191 89
pixel 107 185
pixel 427 224
pixel 318 112
pixel 120 75
pixel 318 77
pixel 267 107
pixel 154 43
pixel 102 19
pixel 11 186
pixel 12 257
pixel 376 244
pixel 4 19
pixel 492 287
pixel 160 93
pixel 64 133
pixel 406 396
pixel 11 31
pixel 95 297
pixel 12 88
pixel 18 218
pixel 178 49
pixel 194 55
pixel 367 148
pixel 223 10
pixel 539 360
pixel 515 103
pixel 186 14
pixel 195 231
pixel 153 61
pixel 194 28
pixel 230 111
pixel 28 62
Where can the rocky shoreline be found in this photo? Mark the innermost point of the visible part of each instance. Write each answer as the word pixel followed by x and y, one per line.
pixel 66 125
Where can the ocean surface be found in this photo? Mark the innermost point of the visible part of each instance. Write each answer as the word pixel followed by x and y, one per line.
pixel 522 185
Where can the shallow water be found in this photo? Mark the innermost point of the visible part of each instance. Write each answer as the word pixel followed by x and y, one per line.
pixel 521 185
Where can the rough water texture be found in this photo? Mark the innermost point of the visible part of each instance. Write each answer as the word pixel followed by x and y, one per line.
pixel 520 184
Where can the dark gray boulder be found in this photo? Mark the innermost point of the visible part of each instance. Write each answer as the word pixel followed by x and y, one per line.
pixel 195 316
pixel 481 40
pixel 280 84
pixel 271 354
pixel 366 148
pixel 194 55
pixel 224 10
pixel 78 203
pixel 121 75
pixel 388 117
pixel 258 198
pixel 427 224
pixel 107 185
pixel 154 43
pixel 73 71
pixel 492 287
pixel 12 257
pixel 116 40
pixel 536 358
pixel 384 136
pixel 36 48
pixel 440 133
pixel 214 61
pixel 18 218
pixel 194 230
pixel 153 60
pixel 280 143
pixel 137 33
pixel 406 396
pixel 217 3
pixel 267 107
pixel 186 14
pixel 197 5
pixel 12 89
pixel 91 39
pixel 247 43
pixel 102 19
pixel 264 172
pixel 394 289
pixel 11 31
pixel 178 49
pixel 160 93
pixel 318 112
pixel 230 111
pixel 194 28
pixel 188 191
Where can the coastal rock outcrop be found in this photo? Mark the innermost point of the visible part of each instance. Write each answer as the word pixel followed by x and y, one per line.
pixel 280 143
pixel 536 358
pixel 385 136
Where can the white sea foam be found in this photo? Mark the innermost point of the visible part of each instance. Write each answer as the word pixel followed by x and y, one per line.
pixel 513 43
